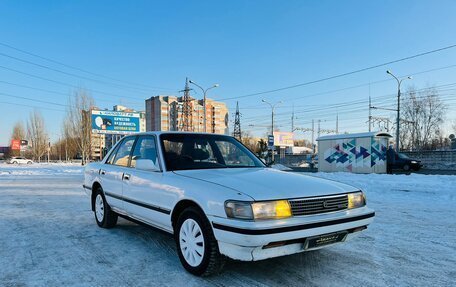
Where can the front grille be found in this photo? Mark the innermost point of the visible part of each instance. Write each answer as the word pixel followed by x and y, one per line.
pixel 317 205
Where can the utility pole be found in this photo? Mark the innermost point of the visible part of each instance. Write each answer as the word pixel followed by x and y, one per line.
pixel 370 113
pixel 204 101
pixel 186 109
pixel 272 122
pixel 313 136
pixel 60 150
pixel 399 82
pixel 337 124
pixel 292 119
pixel 318 134
pixel 49 149
pixel 237 123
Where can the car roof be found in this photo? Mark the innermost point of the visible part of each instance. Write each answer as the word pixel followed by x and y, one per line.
pixel 176 132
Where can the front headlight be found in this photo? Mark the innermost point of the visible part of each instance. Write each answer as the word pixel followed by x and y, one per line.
pixel 238 209
pixel 356 199
pixel 258 210
pixel 271 209
pixel 413 162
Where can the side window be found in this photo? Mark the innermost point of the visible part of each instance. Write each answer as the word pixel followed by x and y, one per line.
pixel 123 152
pixel 145 148
pixel 110 159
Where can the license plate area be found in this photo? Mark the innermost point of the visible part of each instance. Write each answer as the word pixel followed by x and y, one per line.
pixel 325 239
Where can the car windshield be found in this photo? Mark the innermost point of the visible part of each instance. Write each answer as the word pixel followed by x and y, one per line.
pixel 403 156
pixel 202 151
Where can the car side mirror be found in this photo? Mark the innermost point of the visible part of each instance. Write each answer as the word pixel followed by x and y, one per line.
pixel 146 164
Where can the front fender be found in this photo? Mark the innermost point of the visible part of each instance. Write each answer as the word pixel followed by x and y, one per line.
pixel 210 197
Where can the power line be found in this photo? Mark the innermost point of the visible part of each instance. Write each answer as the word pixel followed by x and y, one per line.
pixel 35 107
pixel 69 74
pixel 55 92
pixel 79 69
pixel 343 74
pixel 351 110
pixel 63 83
pixel 35 100
pixel 383 98
pixel 358 86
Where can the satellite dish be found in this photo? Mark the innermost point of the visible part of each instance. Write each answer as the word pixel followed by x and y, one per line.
pixel 451 136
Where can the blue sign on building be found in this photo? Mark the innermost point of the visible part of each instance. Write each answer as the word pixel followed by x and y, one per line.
pixel 112 122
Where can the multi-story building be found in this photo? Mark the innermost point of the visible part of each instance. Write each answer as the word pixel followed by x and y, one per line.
pixel 165 113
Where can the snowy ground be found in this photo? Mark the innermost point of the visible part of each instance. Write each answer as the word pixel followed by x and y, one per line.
pixel 48 237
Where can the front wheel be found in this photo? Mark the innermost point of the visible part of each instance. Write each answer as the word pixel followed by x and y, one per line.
pixel 29 162
pixel 196 245
pixel 406 167
pixel 104 216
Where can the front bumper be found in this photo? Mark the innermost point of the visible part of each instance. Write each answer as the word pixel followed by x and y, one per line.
pixel 245 240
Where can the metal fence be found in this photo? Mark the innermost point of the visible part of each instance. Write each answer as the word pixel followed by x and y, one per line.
pixel 435 159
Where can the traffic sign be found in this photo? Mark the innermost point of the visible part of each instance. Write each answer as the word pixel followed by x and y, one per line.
pixel 270 140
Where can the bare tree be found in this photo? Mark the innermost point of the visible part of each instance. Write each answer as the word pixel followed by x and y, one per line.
pixel 17 134
pixel 77 124
pixel 36 133
pixel 422 115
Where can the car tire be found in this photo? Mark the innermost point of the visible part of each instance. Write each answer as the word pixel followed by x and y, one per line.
pixel 29 162
pixel 14 162
pixel 104 216
pixel 201 256
pixel 406 167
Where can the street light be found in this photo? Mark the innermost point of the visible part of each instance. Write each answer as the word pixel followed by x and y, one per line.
pixel 399 82
pixel 273 106
pixel 204 99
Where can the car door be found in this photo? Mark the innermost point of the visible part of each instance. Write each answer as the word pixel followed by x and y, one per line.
pixel 112 172
pixel 146 197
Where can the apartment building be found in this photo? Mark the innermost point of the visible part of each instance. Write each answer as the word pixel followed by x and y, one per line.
pixel 165 113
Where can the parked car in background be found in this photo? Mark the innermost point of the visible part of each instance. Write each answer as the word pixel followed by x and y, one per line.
pixel 402 161
pixel 19 160
pixel 219 199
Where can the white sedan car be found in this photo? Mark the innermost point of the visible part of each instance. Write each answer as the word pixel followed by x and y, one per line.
pixel 20 160
pixel 219 199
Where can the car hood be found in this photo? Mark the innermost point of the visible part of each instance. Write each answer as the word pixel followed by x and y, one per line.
pixel 268 183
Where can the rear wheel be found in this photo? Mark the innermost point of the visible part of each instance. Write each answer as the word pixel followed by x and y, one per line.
pixel 196 245
pixel 104 216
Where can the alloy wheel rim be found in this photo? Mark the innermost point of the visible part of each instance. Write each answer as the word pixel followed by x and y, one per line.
pixel 99 208
pixel 191 241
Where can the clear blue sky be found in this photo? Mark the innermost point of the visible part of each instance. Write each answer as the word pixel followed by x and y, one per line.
pixel 245 46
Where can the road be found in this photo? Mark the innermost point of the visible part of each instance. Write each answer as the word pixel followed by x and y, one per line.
pixel 49 238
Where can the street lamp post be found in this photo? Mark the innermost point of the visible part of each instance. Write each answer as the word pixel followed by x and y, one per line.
pixel 273 106
pixel 204 99
pixel 399 82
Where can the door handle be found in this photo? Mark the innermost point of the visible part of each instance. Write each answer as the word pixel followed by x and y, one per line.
pixel 102 172
pixel 126 176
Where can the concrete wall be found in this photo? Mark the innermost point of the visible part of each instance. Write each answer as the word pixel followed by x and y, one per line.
pixel 435 159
